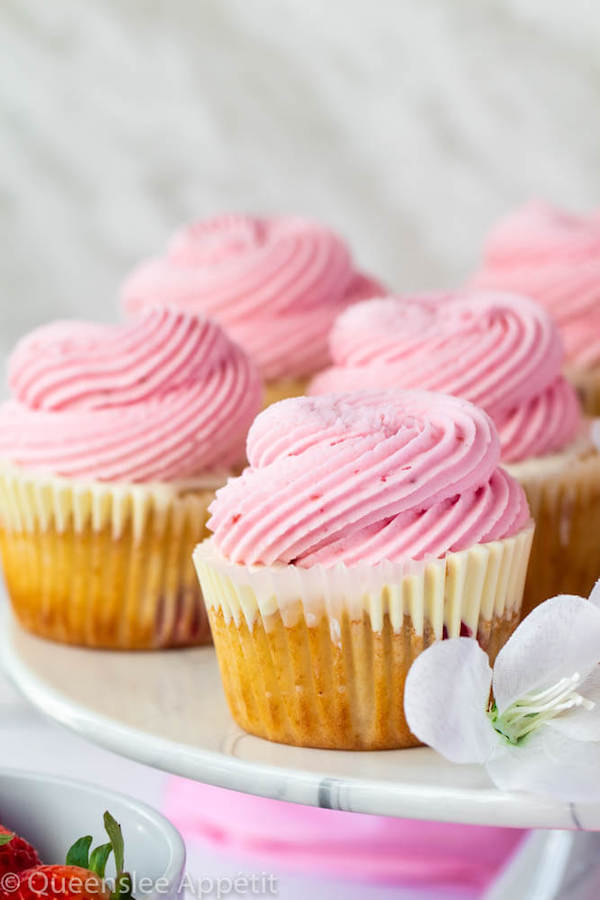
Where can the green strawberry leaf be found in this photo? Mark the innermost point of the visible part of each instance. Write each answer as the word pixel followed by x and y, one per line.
pixel 113 830
pixel 79 853
pixel 99 858
pixel 123 887
pixel 5 839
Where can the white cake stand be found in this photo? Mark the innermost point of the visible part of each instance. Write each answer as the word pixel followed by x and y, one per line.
pixel 167 710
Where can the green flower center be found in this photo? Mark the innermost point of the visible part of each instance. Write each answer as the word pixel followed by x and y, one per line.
pixel 533 710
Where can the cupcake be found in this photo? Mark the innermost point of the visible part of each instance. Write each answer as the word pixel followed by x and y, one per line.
pixel 366 526
pixel 111 448
pixel 554 257
pixel 504 353
pixel 275 284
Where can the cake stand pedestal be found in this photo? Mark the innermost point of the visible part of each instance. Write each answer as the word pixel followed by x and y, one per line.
pixel 167 710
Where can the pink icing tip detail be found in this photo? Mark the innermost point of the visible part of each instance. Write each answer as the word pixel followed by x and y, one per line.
pixel 165 396
pixel 454 495
pixel 276 285
pixel 553 257
pixel 500 351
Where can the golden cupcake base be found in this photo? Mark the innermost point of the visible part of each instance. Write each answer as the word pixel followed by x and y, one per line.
pixel 318 657
pixel 587 384
pixel 564 498
pixel 295 685
pixel 101 566
pixel 282 388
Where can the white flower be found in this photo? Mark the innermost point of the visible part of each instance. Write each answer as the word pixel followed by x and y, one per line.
pixel 541 732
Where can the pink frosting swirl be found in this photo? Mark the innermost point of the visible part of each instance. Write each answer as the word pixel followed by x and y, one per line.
pixel 553 257
pixel 500 351
pixel 166 396
pixel 367 477
pixel 275 284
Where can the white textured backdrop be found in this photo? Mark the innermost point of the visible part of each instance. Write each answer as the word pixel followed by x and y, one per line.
pixel 408 125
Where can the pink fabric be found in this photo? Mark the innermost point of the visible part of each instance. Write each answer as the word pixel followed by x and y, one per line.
pixel 348 845
pixel 366 477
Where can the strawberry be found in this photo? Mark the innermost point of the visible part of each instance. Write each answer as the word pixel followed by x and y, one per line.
pixel 15 853
pixel 82 877
pixel 59 883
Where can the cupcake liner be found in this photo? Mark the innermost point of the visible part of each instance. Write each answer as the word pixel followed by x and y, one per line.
pixel 103 565
pixel 564 498
pixel 282 388
pixel 587 384
pixel 318 657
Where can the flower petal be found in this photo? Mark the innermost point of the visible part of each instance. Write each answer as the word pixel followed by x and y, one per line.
pixel 446 696
pixel 582 724
pixel 551 764
pixel 560 637
pixel 595 595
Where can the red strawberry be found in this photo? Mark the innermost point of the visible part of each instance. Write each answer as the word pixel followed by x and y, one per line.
pixel 81 878
pixel 15 853
pixel 60 883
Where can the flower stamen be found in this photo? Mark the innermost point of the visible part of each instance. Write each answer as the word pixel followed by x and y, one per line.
pixel 533 710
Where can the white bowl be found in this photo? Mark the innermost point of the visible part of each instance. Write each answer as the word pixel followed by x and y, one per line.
pixel 52 812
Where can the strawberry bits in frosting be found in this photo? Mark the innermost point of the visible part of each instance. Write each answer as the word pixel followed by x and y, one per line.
pixel 500 351
pixel 366 477
pixel 275 284
pixel 166 396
